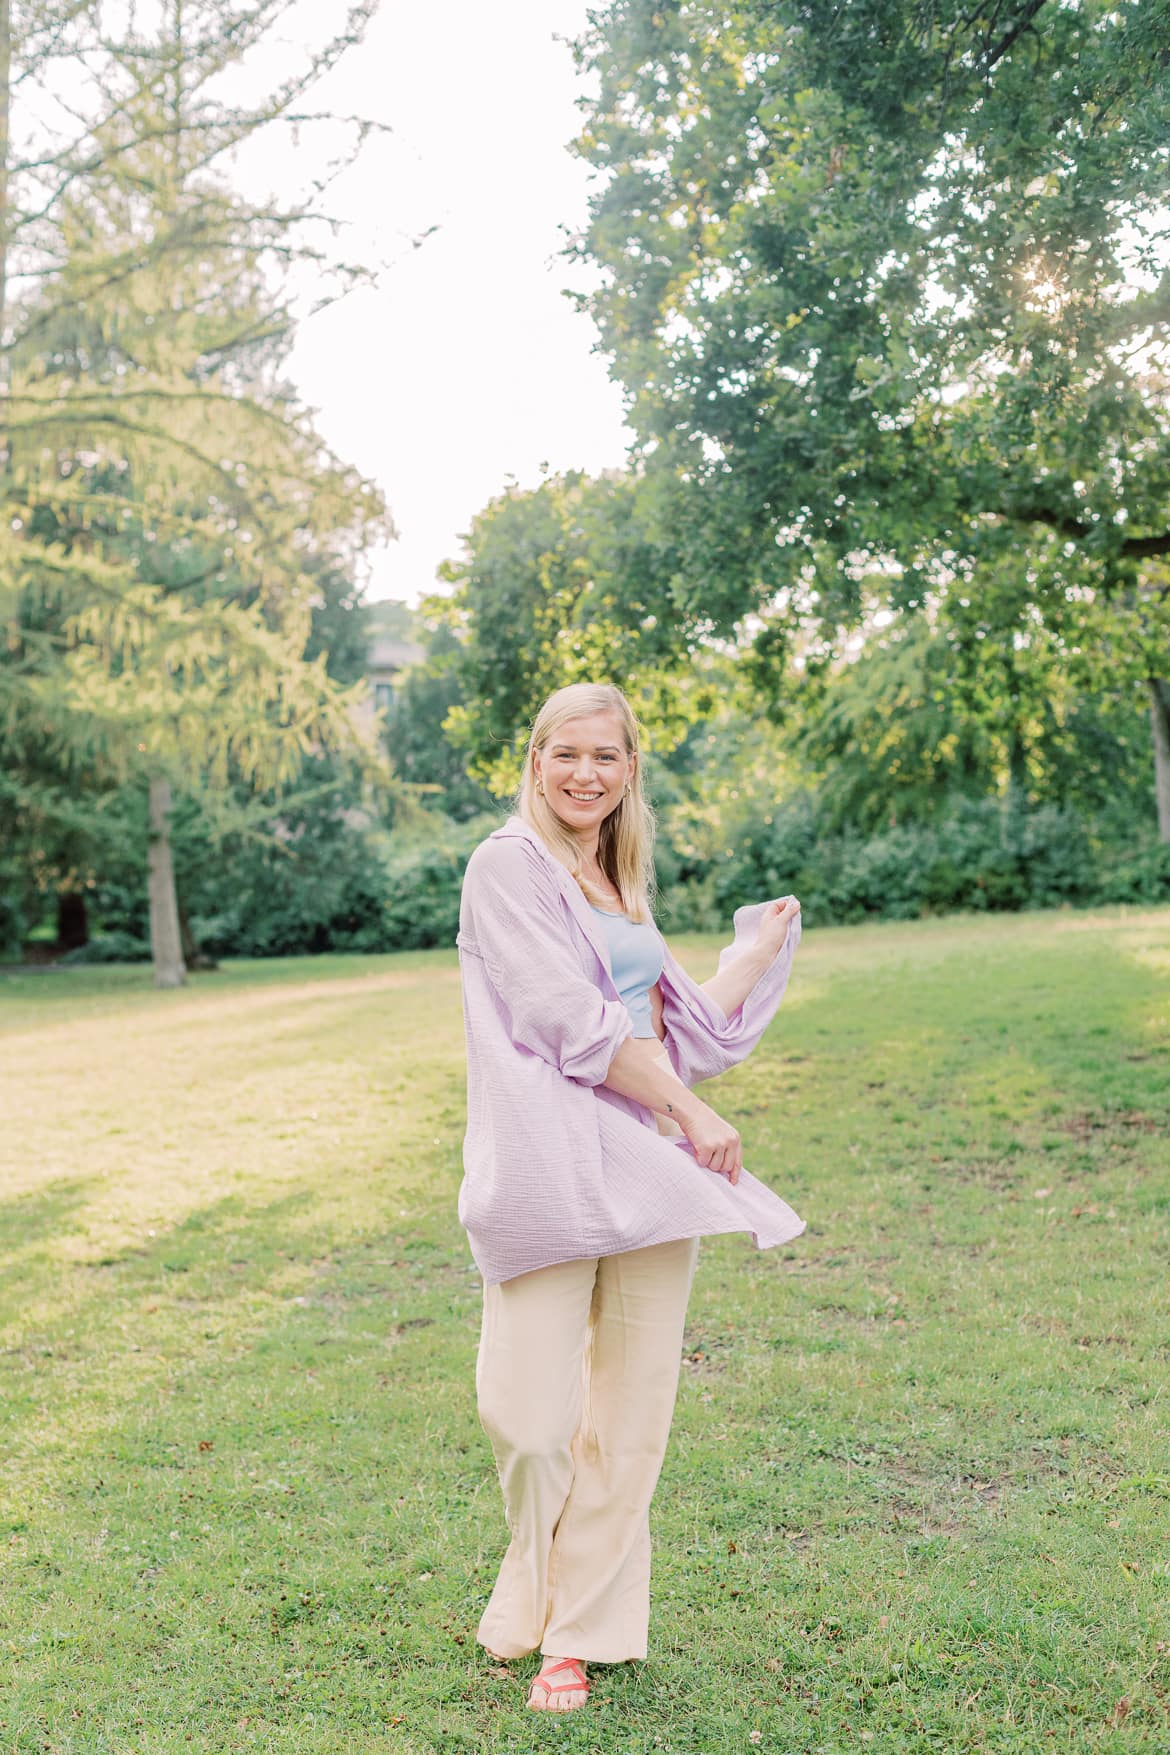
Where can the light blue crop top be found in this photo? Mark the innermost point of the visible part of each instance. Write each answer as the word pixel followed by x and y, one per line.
pixel 635 956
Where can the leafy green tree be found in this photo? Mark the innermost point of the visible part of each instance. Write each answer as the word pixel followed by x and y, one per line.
pixel 555 586
pixel 423 755
pixel 886 285
pixel 172 511
pixel 929 714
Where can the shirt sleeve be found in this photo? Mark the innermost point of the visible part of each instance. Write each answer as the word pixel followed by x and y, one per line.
pixel 513 918
pixel 701 1039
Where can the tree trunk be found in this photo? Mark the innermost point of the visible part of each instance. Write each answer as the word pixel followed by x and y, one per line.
pixel 72 924
pixel 1160 724
pixel 165 943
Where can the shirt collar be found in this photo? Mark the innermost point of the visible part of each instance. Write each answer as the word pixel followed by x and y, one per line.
pixel 570 888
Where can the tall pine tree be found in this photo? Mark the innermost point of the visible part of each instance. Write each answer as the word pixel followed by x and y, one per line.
pixel 169 501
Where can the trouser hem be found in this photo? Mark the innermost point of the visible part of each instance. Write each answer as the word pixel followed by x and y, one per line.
pixel 504 1648
pixel 607 1655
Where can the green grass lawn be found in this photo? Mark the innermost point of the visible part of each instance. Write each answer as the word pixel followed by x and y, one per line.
pixel 918 1491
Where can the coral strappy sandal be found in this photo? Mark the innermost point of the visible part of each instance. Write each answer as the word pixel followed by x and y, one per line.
pixel 539 1680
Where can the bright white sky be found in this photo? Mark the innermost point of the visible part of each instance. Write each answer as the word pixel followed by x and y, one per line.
pixel 467 367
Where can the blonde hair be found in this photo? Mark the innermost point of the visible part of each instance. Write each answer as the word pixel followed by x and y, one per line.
pixel 625 847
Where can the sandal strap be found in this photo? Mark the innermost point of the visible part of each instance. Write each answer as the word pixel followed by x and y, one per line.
pixel 554 1670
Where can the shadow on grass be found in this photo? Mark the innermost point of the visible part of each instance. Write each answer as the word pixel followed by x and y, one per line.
pixel 245 1440
pixel 41 1216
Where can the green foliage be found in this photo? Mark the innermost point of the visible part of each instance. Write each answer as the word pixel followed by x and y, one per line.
pixel 324 876
pixel 110 947
pixel 168 556
pixel 426 878
pixel 932 709
pixel 423 755
pixel 340 621
pixel 176 534
pixel 983 855
pixel 553 588
pixel 885 285
pixel 323 890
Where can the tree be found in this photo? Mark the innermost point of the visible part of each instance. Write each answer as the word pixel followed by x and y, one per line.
pixel 886 285
pixel 928 713
pixel 548 592
pixel 423 755
pixel 172 509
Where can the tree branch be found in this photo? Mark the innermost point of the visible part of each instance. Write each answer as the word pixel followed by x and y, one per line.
pixel 1133 548
pixel 1009 36
pixel 1146 548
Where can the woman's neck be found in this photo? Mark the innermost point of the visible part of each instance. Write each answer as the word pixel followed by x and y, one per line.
pixel 587 846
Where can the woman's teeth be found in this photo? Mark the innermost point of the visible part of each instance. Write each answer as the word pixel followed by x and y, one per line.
pixel 584 797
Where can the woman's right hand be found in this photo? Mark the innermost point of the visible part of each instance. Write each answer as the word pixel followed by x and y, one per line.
pixel 717 1144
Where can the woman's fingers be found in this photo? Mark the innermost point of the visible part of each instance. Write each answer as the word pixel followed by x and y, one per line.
pixel 727 1159
pixel 778 920
pixel 717 1145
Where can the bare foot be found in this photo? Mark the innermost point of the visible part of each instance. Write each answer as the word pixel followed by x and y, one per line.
pixel 559 1685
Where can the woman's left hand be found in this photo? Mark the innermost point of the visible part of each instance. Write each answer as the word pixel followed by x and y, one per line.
pixel 775 923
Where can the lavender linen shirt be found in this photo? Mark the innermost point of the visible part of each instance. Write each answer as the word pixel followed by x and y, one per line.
pixel 556 1166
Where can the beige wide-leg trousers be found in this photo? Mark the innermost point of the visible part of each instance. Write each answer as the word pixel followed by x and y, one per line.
pixel 576 1379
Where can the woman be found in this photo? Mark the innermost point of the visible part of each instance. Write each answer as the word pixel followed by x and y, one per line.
pixel 591 1171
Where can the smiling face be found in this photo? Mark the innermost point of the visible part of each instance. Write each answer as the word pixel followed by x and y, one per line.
pixel 584 769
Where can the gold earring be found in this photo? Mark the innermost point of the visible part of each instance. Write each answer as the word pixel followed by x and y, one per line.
pixel 627 792
pixel 540 788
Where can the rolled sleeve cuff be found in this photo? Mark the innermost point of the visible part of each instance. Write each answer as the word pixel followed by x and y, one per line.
pixel 588 1061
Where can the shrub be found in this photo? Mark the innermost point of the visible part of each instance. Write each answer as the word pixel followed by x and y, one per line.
pixel 980 854
pixel 341 888
pixel 1139 876
pixel 110 947
pixel 426 878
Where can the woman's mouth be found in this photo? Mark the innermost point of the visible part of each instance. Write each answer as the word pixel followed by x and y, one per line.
pixel 583 797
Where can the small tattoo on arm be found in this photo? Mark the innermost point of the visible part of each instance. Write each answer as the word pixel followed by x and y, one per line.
pixel 670 1108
